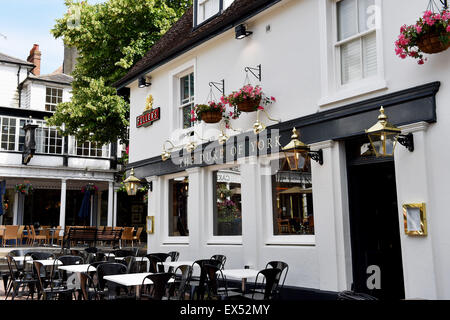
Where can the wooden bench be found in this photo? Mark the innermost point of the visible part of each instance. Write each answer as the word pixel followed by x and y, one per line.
pixel 91 235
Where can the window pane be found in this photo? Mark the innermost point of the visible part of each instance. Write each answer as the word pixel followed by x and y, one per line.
pixel 191 85
pixel 366 21
pixel 187 117
pixel 351 61
pixel 227 198
pixel 292 200
pixel 178 207
pixel 370 55
pixel 184 84
pixel 347 17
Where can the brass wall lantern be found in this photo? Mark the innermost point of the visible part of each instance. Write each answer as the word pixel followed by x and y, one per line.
pixel 384 136
pixel 132 184
pixel 165 155
pixel 296 153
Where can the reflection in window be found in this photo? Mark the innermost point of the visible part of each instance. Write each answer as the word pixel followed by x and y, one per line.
pixel 227 202
pixel 292 200
pixel 178 207
pixel 186 99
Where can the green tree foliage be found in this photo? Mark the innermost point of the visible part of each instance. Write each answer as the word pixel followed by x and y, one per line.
pixel 109 37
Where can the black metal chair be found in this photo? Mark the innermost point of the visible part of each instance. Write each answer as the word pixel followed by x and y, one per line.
pixel 65 261
pixel 122 253
pixel 221 258
pixel 158 289
pixel 18 279
pixel 47 288
pixel 19 253
pixel 133 266
pixel 284 270
pixel 110 291
pixel 198 284
pixel 156 260
pixel 182 278
pixel 266 288
pixel 214 291
pixel 88 287
pixel 174 255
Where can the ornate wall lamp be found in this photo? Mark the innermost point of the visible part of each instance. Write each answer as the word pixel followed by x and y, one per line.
pixel 258 126
pixel 132 184
pixel 165 155
pixel 384 136
pixel 296 153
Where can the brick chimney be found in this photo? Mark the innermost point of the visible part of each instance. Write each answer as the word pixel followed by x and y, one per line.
pixel 35 58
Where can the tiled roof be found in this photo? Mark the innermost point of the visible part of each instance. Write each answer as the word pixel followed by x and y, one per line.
pixel 54 77
pixel 9 59
pixel 182 36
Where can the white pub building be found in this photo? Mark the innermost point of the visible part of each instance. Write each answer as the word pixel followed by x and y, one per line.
pixel 346 218
pixel 60 166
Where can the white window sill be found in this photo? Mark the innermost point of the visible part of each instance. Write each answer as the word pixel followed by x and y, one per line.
pixel 231 240
pixel 293 240
pixel 353 90
pixel 176 240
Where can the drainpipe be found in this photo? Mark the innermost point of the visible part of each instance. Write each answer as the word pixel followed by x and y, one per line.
pixel 19 86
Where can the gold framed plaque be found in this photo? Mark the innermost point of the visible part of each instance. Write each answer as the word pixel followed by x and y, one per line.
pixel 415 219
pixel 150 224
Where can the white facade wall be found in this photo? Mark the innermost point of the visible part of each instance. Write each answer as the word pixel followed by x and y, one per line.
pixel 9 96
pixel 298 69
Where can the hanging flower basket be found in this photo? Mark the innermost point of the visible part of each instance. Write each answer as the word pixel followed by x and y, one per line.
pixel 211 116
pixel 24 188
pixel 250 105
pixel 209 113
pixel 431 43
pixel 89 187
pixel 430 34
pixel 248 99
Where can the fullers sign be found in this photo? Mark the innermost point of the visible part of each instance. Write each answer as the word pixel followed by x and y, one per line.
pixel 149 115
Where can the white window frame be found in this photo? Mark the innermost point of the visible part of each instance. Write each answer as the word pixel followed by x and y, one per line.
pixel 332 88
pixel 8 135
pixel 73 149
pixel 191 101
pixel 176 119
pixel 52 104
pixel 209 204
pixel 270 238
pixel 166 239
pixel 197 8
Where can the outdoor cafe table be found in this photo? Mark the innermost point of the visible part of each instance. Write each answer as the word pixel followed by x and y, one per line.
pixel 46 263
pixel 73 282
pixel 19 258
pixel 131 280
pixel 242 274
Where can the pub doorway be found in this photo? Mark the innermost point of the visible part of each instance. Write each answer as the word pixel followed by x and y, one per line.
pixel 374 224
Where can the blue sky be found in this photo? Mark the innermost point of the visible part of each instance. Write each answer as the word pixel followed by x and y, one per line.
pixel 25 22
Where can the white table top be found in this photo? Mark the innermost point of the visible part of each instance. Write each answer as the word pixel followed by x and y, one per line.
pixel 130 279
pixel 19 258
pixel 77 268
pixel 176 264
pixel 240 273
pixel 138 259
pixel 45 263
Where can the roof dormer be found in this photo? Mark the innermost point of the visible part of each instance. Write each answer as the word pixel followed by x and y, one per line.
pixel 205 10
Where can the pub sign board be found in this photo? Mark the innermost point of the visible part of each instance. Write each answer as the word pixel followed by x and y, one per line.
pixel 149 115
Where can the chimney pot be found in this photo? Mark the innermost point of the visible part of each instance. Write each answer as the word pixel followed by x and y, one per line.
pixel 35 58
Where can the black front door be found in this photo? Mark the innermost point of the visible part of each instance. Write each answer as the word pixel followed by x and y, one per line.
pixel 374 223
